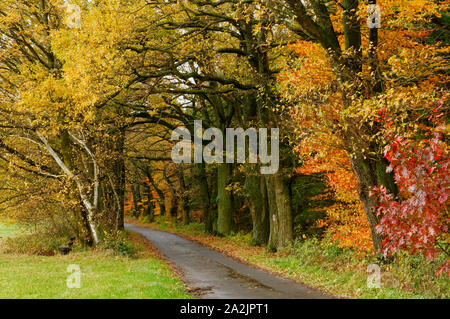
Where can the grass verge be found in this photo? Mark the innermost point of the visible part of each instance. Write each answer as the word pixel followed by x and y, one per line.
pixel 104 275
pixel 9 231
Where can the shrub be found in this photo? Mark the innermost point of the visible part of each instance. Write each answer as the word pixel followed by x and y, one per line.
pixel 118 243
pixel 147 219
pixel 413 273
pixel 43 244
pixel 194 227
pixel 416 272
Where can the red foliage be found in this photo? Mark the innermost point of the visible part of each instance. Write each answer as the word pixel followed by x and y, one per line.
pixel 418 220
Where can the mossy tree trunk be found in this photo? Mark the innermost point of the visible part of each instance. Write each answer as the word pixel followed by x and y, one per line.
pixel 255 187
pixel 137 200
pixel 185 200
pixel 281 224
pixel 224 200
pixel 149 211
pixel 370 173
pixel 174 209
pixel 205 198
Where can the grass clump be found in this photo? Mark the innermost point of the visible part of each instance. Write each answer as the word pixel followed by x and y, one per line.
pixel 119 243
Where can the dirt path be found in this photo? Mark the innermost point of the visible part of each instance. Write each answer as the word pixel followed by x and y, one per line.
pixel 212 275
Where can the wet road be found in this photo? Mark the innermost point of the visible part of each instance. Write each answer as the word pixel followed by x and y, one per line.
pixel 211 274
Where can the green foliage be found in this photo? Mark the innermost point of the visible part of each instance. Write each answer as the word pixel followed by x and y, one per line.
pixel 241 238
pixel 119 243
pixel 193 227
pixel 306 208
pixel 162 221
pixel 146 219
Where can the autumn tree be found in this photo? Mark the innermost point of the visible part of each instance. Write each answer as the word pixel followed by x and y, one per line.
pixel 74 132
pixel 358 71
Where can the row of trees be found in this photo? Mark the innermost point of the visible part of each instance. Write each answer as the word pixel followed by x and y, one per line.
pixel 87 113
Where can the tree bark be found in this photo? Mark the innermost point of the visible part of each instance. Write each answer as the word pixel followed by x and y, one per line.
pixel 120 180
pixel 205 199
pixel 174 209
pixel 281 225
pixel 161 195
pixel 370 173
pixel 258 203
pixel 135 189
pixel 149 211
pixel 186 214
pixel 224 200
pixel 112 199
pixel 185 200
pixel 68 159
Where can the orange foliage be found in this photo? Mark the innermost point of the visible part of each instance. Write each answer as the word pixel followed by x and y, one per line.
pixel 310 83
pixel 346 221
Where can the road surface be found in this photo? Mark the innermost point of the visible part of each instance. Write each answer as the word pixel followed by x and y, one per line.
pixel 211 274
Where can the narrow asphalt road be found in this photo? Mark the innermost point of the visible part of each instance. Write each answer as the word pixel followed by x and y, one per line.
pixel 214 275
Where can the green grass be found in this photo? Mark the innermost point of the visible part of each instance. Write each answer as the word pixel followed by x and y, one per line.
pixel 9 230
pixel 104 275
pixel 344 272
pixel 350 283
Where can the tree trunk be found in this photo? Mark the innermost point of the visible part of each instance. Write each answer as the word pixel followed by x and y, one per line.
pixel 112 197
pixel 186 214
pixel 174 210
pixel 119 174
pixel 162 207
pixel 224 200
pixel 135 189
pixel 185 200
pixel 370 173
pixel 256 190
pixel 86 235
pixel 87 220
pixel 205 199
pixel 281 225
pixel 149 212
pixel 162 198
